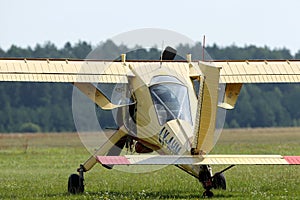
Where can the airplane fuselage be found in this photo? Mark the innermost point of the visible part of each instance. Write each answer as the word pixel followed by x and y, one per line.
pixel 166 112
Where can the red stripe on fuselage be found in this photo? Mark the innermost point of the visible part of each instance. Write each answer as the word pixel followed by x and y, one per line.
pixel 292 160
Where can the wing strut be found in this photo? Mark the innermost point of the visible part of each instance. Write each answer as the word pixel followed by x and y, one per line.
pixel 96 96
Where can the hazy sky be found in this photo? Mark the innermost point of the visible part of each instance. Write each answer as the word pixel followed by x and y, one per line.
pixel 261 22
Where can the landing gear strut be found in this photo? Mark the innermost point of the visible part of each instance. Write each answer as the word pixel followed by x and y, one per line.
pixel 75 182
pixel 205 177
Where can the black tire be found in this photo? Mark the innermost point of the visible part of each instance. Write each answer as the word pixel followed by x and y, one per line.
pixel 219 181
pixel 208 194
pixel 75 184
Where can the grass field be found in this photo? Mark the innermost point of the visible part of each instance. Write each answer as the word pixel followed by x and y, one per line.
pixel 37 166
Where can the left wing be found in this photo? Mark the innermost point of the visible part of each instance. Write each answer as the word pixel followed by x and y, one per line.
pixel 82 73
pixel 63 70
pixel 199 160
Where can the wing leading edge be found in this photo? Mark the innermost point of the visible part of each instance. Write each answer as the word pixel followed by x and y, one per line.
pixel 199 160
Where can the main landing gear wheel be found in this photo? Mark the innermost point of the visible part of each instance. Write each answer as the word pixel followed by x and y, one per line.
pixel 219 181
pixel 75 184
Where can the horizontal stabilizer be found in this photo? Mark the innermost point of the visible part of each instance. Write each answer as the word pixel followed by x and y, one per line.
pixel 199 160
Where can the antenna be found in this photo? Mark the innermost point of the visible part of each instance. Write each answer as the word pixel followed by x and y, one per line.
pixel 203 48
pixel 162 51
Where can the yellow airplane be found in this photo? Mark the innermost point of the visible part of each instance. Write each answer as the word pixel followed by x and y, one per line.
pixel 172 110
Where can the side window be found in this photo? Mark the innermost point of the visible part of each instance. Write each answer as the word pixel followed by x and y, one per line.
pixel 171 102
pixel 196 85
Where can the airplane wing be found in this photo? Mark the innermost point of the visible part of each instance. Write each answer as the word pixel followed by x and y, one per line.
pixel 259 71
pixel 237 73
pixel 63 70
pixel 89 71
pixel 82 73
pixel 199 160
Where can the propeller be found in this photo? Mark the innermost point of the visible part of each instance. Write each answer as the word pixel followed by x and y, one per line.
pixel 168 54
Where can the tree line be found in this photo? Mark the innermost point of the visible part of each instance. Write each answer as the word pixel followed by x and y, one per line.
pixel 47 107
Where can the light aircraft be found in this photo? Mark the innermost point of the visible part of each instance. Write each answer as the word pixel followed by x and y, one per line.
pixel 172 110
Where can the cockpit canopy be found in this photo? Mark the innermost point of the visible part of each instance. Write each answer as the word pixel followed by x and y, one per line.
pixel 170 98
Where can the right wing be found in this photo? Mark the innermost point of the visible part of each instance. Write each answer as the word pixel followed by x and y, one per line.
pixel 259 71
pixel 236 73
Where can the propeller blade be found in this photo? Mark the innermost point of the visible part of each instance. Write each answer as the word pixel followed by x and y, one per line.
pixel 169 53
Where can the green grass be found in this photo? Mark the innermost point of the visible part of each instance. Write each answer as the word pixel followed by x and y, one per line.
pixel 38 166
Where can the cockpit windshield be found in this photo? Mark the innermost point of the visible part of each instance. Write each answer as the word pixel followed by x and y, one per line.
pixel 170 98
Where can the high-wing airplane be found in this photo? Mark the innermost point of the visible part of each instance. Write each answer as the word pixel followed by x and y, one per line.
pixel 172 110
